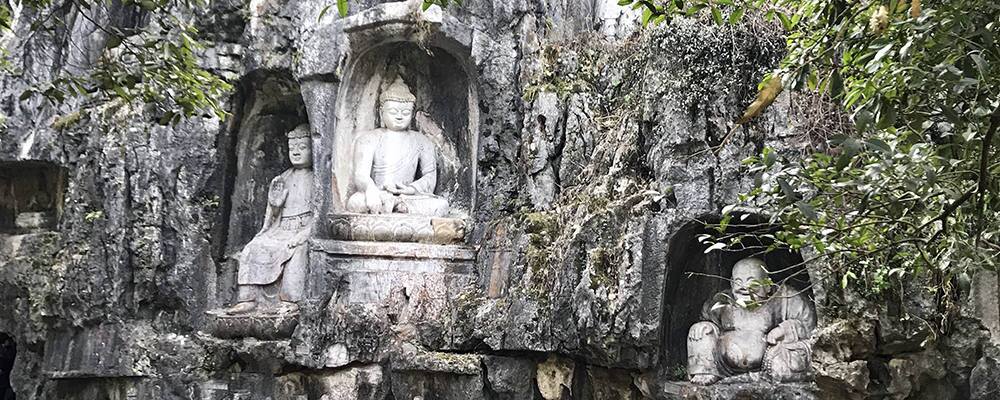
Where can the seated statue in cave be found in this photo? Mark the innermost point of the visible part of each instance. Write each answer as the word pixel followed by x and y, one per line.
pixel 272 266
pixel 757 326
pixel 395 168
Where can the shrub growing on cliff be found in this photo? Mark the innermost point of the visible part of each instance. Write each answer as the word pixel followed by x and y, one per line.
pixel 913 189
pixel 146 52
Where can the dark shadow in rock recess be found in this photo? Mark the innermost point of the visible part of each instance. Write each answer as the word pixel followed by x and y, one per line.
pixel 685 294
pixel 31 196
pixel 8 351
pixel 126 388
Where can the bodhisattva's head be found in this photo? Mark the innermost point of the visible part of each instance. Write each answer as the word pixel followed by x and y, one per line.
pixel 748 279
pixel 300 147
pixel 396 106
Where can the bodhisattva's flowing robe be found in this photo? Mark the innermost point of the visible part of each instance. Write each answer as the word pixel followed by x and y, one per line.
pixel 279 250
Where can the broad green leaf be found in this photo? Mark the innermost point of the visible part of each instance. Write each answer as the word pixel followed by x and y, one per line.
pixel 836 85
pixel 737 15
pixel 863 120
pixel 879 145
pixel 770 156
pixel 785 21
pixel 787 189
pixel 807 210
pixel 981 63
pixel 342 7
pixel 717 15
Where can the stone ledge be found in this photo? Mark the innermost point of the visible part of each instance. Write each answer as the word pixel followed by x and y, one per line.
pixel 448 363
pixel 748 390
pixel 394 250
pixel 260 326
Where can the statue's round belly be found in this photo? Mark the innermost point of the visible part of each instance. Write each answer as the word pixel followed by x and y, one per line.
pixel 742 349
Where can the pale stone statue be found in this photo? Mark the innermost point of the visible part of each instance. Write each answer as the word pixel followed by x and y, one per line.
pixel 272 266
pixel 395 168
pixel 755 327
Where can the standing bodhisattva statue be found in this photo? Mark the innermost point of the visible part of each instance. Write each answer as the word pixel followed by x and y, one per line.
pixel 395 168
pixel 272 266
pixel 756 327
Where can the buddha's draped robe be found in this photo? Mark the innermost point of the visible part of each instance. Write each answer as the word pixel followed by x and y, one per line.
pixel 384 157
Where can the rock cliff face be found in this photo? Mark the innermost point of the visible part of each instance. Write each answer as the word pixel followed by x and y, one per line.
pixel 599 151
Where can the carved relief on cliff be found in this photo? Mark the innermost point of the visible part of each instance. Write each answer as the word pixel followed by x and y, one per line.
pixel 403 159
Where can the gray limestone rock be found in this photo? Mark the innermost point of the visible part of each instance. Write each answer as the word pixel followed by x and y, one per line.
pixel 579 168
pixel 985 301
pixel 985 377
pixel 689 391
pixel 510 378
pixel 843 380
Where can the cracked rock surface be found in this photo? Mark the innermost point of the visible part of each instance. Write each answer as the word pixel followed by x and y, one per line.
pixel 594 177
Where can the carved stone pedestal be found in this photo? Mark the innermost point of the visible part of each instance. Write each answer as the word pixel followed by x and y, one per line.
pixel 423 275
pixel 262 326
pixel 402 228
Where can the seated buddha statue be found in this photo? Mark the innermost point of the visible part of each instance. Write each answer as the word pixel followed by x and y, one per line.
pixel 395 168
pixel 755 326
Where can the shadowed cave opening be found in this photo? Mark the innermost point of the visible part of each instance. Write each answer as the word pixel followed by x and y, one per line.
pixel 31 196
pixel 694 276
pixel 8 351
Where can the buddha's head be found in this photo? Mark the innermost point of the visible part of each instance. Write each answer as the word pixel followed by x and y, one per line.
pixel 748 282
pixel 396 106
pixel 300 147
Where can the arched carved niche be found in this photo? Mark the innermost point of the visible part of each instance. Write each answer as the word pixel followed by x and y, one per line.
pixel 253 151
pixel 694 276
pixel 269 105
pixel 347 62
pixel 443 107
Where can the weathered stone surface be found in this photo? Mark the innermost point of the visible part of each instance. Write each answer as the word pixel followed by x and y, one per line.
pixel 985 301
pixel 916 373
pixel 258 325
pixel 608 384
pixel 358 383
pixel 844 340
pixel 555 378
pixel 510 378
pixel 985 377
pixel 760 390
pixel 577 231
pixel 443 376
pixel 843 380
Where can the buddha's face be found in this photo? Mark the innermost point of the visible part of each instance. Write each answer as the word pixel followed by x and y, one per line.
pixel 748 281
pixel 300 152
pixel 396 115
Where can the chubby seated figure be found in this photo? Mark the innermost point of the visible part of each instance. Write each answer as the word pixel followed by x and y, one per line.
pixel 395 168
pixel 756 327
pixel 272 266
